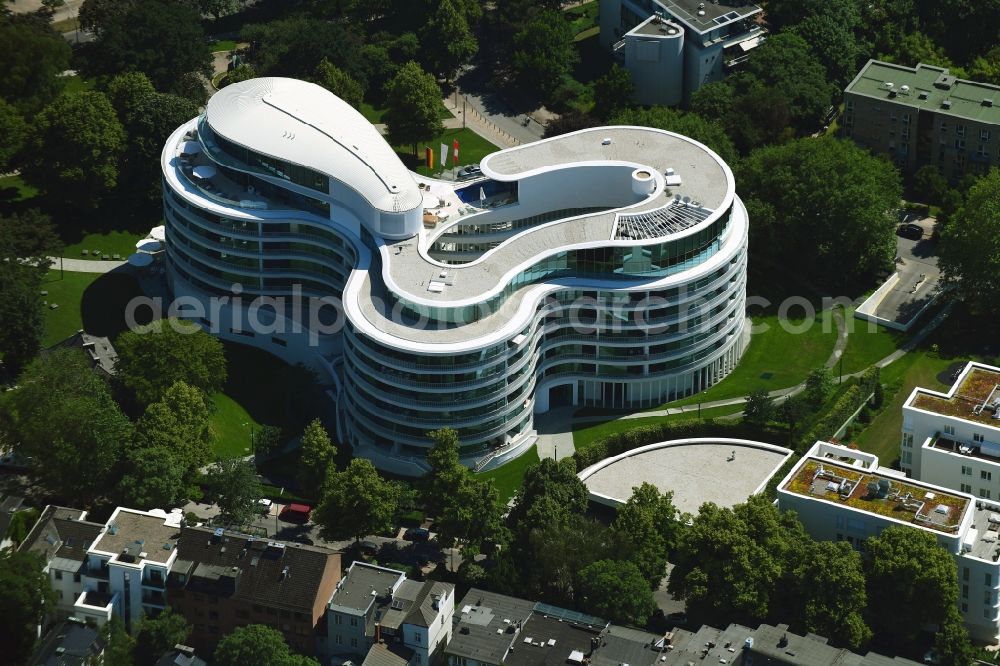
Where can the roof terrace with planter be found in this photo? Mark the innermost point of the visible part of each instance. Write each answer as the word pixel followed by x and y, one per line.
pixel 867 490
pixel 975 397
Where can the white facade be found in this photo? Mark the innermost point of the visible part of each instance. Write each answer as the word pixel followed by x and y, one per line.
pixel 970 540
pixel 427 638
pixel 953 438
pixel 673 47
pixel 606 266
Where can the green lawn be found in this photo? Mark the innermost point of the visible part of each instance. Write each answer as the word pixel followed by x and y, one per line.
pixel 583 17
pixel 508 477
pixel 231 426
pixel 471 149
pixel 94 302
pixel 77 83
pixel 374 115
pixel 867 344
pixel 109 243
pixel 13 188
pixel 223 45
pixel 66 25
pixel 585 435
pixel 67 293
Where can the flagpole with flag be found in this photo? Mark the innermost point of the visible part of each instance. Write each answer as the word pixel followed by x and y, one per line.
pixel 444 155
pixel 455 154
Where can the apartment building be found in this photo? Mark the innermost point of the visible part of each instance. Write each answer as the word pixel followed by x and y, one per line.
pixel 673 47
pixel 376 606
pixel 924 115
pixel 61 537
pixel 225 580
pixel 844 495
pixel 605 266
pixel 952 438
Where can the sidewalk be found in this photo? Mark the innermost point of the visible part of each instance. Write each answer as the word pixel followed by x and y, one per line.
pixel 85 265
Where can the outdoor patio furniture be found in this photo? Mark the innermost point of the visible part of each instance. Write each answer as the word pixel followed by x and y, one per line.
pixel 83 252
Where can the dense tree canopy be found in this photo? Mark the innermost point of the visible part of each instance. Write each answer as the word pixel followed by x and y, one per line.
pixel 15 131
pixel 357 502
pixel 446 473
pixel 687 123
pixel 336 81
pixel 835 608
pixel 834 44
pixel 786 63
pixel 153 358
pixel 646 527
pixel 543 52
pixel 260 645
pixel 969 247
pixel 823 207
pixel 69 428
pixel 448 43
pixel 157 635
pixel 549 496
pixel 25 598
pixel 161 38
pixel 233 482
pixel 317 458
pixel 33 56
pixel 617 591
pixel 74 148
pixel 414 112
pixel 294 46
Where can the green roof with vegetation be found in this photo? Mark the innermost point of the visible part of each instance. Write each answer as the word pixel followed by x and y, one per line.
pixel 976 389
pixel 966 97
pixel 904 500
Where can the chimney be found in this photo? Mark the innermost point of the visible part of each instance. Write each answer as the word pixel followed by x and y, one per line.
pixel 378 632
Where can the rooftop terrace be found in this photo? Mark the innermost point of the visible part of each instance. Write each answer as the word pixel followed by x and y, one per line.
pixel 906 501
pixel 928 88
pixel 976 398
pixel 705 16
pixel 133 536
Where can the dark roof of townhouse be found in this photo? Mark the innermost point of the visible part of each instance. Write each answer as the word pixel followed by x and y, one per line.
pixel 622 645
pixel 181 655
pixel 69 643
pixel 477 620
pixel 60 533
pixel 381 654
pixel 100 352
pixel 775 643
pixel 552 641
pixel 8 505
pixel 423 613
pixel 228 564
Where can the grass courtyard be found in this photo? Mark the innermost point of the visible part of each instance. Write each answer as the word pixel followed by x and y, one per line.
pixel 586 434
pixel 508 477
pixel 93 302
pixel 471 149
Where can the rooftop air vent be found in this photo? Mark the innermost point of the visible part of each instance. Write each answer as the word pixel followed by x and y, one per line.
pixel 946 104
pixel 606 141
pixel 922 94
pixel 987 102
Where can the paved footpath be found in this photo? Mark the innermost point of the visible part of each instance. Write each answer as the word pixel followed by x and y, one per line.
pixel 85 265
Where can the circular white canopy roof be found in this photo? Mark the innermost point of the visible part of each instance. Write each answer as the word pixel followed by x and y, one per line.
pixel 149 245
pixel 204 172
pixel 158 233
pixel 140 259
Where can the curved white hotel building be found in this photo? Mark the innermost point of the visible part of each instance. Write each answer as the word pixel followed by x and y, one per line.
pixel 603 267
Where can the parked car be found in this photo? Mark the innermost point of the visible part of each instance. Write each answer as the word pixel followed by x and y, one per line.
pixel 295 513
pixel 912 231
pixel 677 619
pixel 470 171
pixel 417 534
pixel 369 548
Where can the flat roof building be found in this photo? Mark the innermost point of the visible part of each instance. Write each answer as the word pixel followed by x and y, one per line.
pixel 924 115
pixel 844 495
pixel 673 47
pixel 606 266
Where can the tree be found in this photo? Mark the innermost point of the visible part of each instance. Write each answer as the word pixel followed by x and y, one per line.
pixel 179 421
pixel 154 119
pixel 244 72
pixel 474 516
pixel 735 565
pixel 157 635
pixel 96 14
pixel 837 205
pixel 686 123
pixel 550 494
pixel 646 526
pixel 233 482
pixel 118 645
pixel 68 426
pixel 153 358
pixel 834 44
pixel 552 561
pixel 74 147
pixel 932 186
pixel 986 68
pixel 447 473
pixel 192 86
pixel 20 524
pixel 760 114
pixel 25 598
pixel 618 592
pixel 448 42
pixel 293 46
pixel 260 645
pixel 161 38
pixel 544 52
pixel 34 55
pixel 612 92
pixel 786 63
pixel 759 408
pixel 969 246
pixel 912 582
pixel 414 101
pixel 219 8
pixel 713 101
pixel 127 92
pixel 570 121
pixel 339 83
pixel 833 609
pixel 917 48
pixel 154 479
pixel 357 502
pixel 792 412
pixel 15 132
pixel 317 459
pixel 819 384
pixel 790 13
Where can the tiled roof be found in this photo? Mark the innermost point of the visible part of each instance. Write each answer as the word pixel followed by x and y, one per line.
pixel 59 532
pixel 381 654
pixel 256 570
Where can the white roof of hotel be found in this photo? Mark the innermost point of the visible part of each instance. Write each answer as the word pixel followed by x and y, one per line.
pixel 305 124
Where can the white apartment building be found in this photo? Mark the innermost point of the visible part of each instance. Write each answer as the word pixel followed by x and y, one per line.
pixel 673 47
pixel 842 494
pixel 605 266
pixel 952 438
pixel 374 605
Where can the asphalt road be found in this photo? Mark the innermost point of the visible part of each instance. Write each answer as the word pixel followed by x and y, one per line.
pixel 919 276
